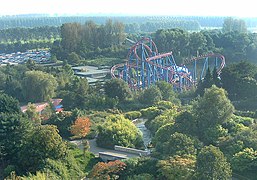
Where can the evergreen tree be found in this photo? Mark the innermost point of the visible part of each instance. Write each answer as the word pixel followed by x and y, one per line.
pixel 207 82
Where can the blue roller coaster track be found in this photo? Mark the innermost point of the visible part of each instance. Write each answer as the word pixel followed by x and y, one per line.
pixel 145 66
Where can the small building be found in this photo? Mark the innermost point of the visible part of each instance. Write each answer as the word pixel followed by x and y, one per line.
pixel 42 105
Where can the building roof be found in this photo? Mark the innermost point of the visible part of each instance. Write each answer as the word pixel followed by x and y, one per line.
pixel 42 105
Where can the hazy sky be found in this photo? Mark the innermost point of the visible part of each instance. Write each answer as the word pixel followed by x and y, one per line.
pixel 239 8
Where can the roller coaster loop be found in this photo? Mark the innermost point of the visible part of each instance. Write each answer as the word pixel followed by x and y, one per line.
pixel 145 66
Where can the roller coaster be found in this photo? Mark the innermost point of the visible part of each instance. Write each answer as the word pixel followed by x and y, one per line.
pixel 145 66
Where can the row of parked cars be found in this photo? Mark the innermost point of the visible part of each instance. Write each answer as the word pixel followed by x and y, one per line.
pixel 40 56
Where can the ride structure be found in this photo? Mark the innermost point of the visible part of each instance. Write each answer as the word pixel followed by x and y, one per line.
pixel 146 66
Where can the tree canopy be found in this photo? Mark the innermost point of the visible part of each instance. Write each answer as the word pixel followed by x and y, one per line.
pixel 212 109
pixel 117 88
pixel 212 164
pixel 38 86
pixel 8 104
pixel 117 130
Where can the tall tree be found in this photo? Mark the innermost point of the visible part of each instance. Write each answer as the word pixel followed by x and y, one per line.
pixel 207 82
pixel 46 143
pixel 73 58
pixel 150 95
pixel 232 24
pixel 239 80
pixel 32 113
pixel 71 34
pixel 117 88
pixel 14 131
pixel 178 144
pixel 212 164
pixel 167 91
pixel 75 93
pixel 211 110
pixel 8 104
pixel 197 43
pixel 38 86
pixel 175 40
pixel 245 160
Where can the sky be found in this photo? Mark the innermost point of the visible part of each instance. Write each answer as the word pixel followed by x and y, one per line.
pixel 237 8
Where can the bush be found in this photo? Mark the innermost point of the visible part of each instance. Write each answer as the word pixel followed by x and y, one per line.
pixel 166 117
pixel 150 95
pixel 118 130
pixel 8 170
pixel 141 177
pixel 139 166
pixel 245 113
pixel 165 105
pixel 133 115
pixel 150 113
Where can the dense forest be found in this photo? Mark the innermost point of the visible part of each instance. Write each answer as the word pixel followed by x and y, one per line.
pixel 85 39
pixel 208 132
pixel 44 20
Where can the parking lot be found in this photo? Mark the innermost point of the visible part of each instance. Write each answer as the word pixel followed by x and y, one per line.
pixel 40 56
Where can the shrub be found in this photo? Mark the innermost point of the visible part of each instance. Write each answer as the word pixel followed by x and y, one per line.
pixel 133 115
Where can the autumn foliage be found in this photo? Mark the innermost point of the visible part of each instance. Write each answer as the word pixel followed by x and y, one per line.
pixel 106 171
pixel 81 127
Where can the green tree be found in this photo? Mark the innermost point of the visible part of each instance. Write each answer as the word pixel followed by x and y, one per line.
pixel 38 86
pixel 245 138
pixel 46 143
pixel 3 78
pixel 32 113
pixel 167 92
pixel 75 94
pixel 117 88
pixel 119 131
pixel 54 59
pixel 71 34
pixel 73 58
pixel 232 24
pixel 178 144
pixel 214 135
pixel 239 80
pixel 31 64
pixel 176 40
pixel 197 43
pixel 166 117
pixel 212 109
pixel 185 123
pixel 150 95
pixel 13 87
pixel 138 166
pixel 212 164
pixel 14 131
pixel 207 82
pixel 142 176
pixel 163 135
pixel 245 160
pixel 8 104
pixel 177 167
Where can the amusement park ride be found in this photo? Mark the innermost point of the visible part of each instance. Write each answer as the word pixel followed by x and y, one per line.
pixel 145 66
